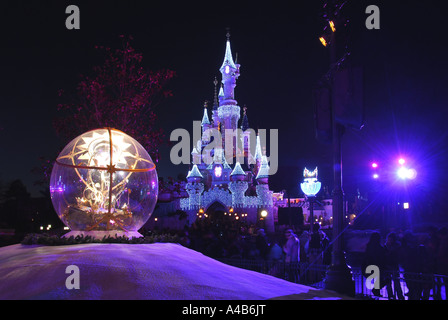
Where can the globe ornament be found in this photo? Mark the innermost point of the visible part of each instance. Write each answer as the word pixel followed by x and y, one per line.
pixel 104 183
pixel 310 186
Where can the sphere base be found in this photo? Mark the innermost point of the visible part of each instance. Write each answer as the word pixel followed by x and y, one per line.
pixel 102 234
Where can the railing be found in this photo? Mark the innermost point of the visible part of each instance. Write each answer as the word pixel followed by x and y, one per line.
pixel 394 285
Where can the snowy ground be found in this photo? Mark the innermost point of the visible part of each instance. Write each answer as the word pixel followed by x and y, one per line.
pixel 129 271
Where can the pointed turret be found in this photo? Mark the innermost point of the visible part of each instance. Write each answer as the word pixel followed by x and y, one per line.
pixel 228 59
pixel 221 93
pixel 263 173
pixel 258 155
pixel 230 72
pixel 238 173
pixel 194 175
pixel 205 120
pixel 196 156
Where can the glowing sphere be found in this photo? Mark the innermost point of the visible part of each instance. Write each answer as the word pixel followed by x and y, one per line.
pixel 311 187
pixel 104 181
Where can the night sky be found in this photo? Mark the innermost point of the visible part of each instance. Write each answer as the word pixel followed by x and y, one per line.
pixel 281 60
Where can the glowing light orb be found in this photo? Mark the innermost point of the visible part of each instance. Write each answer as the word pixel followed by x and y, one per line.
pixel 401 161
pixel 218 171
pixel 405 173
pixel 264 213
pixel 104 181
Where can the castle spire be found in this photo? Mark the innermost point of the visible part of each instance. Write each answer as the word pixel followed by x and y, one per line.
pixel 258 154
pixel 205 120
pixel 263 172
pixel 228 59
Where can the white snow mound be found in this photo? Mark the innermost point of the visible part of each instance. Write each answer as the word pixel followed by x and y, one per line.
pixel 159 271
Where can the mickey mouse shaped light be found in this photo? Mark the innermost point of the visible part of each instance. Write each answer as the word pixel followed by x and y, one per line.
pixel 310 188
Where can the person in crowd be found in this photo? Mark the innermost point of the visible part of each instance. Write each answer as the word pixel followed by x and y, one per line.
pixel 262 243
pixel 414 264
pixel 442 261
pixel 393 247
pixel 315 255
pixel 304 239
pixel 375 255
pixel 275 258
pixel 292 258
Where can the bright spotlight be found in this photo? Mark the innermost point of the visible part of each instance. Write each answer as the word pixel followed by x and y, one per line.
pixel 411 174
pixel 402 173
pixel 405 173
pixel 376 176
pixel 402 161
pixel 374 165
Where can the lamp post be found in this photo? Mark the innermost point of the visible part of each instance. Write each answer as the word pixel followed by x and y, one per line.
pixel 338 277
pixel 310 188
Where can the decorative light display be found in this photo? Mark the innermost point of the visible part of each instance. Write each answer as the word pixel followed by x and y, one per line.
pixel 104 180
pixel 323 41
pixel 311 186
pixel 406 173
pixel 238 188
pixel 229 111
pixel 218 171
pixel 332 26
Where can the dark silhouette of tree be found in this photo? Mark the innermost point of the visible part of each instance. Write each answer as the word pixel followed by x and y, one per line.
pixel 120 94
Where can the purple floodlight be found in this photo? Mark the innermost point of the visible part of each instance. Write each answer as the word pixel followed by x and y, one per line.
pixel 406 174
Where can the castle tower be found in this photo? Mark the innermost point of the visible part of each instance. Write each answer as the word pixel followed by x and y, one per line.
pixel 206 124
pixel 194 188
pixel 238 185
pixel 228 110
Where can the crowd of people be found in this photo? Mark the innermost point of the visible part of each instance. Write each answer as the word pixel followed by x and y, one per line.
pixel 238 240
pixel 423 261
pixel 401 256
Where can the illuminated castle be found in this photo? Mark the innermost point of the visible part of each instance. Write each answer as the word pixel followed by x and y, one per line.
pixel 215 184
